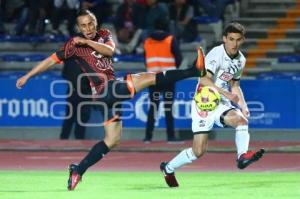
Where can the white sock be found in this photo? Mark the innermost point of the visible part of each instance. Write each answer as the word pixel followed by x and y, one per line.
pixel 242 138
pixel 184 157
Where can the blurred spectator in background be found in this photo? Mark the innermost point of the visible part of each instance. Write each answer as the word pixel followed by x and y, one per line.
pixel 152 11
pixel 129 18
pixel 71 71
pixel 2 29
pixel 155 10
pixel 22 11
pixel 215 8
pixel 2 14
pixel 142 2
pixel 37 13
pixel 16 11
pixel 181 24
pixel 161 54
pixel 64 9
pixel 195 5
pixel 101 8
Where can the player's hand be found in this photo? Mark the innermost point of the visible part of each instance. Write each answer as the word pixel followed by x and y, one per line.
pixel 246 112
pixel 21 81
pixel 79 41
pixel 232 97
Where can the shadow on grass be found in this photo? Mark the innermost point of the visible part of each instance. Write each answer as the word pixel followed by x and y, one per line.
pixel 253 184
pixel 33 191
pixel 146 187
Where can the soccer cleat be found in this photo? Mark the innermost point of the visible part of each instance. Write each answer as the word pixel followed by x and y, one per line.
pixel 169 177
pixel 200 63
pixel 147 139
pixel 248 158
pixel 74 177
pixel 200 59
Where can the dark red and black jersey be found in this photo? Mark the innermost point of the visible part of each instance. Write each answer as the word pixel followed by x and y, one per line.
pixel 90 61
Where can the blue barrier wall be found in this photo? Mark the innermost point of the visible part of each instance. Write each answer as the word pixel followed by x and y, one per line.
pixel 273 102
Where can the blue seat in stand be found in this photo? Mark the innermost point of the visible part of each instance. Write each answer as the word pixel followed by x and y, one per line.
pixel 33 39
pixel 34 57
pixel 278 75
pixel 205 19
pixel 22 58
pixel 11 57
pixel 289 59
pixel 129 58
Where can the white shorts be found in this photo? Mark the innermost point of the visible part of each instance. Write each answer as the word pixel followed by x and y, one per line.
pixel 204 121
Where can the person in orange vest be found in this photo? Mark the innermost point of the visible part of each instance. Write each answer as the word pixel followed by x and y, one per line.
pixel 162 53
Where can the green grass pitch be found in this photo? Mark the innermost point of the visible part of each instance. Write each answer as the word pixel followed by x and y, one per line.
pixel 146 185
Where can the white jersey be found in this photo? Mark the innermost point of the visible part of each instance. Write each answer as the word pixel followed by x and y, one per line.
pixel 224 68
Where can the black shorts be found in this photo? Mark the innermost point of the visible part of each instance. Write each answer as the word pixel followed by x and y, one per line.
pixel 109 102
pixel 115 91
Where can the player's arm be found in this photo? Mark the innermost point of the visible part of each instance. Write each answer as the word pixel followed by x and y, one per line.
pixel 212 64
pixel 236 89
pixel 105 49
pixel 207 81
pixel 42 66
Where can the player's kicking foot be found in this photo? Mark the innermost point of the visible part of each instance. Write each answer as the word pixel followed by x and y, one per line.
pixel 169 177
pixel 200 63
pixel 248 158
pixel 74 177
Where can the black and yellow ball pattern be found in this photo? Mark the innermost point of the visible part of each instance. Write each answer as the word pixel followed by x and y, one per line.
pixel 207 98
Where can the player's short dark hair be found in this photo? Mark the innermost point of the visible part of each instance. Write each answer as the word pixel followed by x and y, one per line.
pixel 234 27
pixel 84 12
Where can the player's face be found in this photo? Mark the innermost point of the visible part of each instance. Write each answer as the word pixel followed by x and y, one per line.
pixel 232 43
pixel 87 26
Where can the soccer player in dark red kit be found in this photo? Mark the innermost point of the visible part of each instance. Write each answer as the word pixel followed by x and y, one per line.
pixel 92 50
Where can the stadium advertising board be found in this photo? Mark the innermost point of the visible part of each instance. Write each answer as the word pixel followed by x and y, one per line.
pixel 273 103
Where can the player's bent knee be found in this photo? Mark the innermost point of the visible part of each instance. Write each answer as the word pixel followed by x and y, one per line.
pixel 143 80
pixel 112 142
pixel 242 121
pixel 200 151
pixel 116 143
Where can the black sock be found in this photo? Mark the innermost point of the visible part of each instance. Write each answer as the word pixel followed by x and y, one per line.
pixel 95 154
pixel 172 76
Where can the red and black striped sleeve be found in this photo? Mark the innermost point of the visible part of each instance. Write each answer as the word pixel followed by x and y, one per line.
pixel 107 37
pixel 64 53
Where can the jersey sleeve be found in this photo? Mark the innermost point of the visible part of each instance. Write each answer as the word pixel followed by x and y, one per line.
pixel 59 55
pixel 212 61
pixel 107 37
pixel 67 51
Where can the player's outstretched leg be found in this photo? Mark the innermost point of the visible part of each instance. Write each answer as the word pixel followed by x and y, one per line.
pixel 74 177
pixel 139 81
pixel 248 158
pixel 169 177
pixel 94 155
pixel 171 76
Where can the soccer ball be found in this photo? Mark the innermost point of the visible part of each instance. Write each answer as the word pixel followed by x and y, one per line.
pixel 207 98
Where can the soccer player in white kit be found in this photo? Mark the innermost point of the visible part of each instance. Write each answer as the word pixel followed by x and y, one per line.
pixel 224 65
